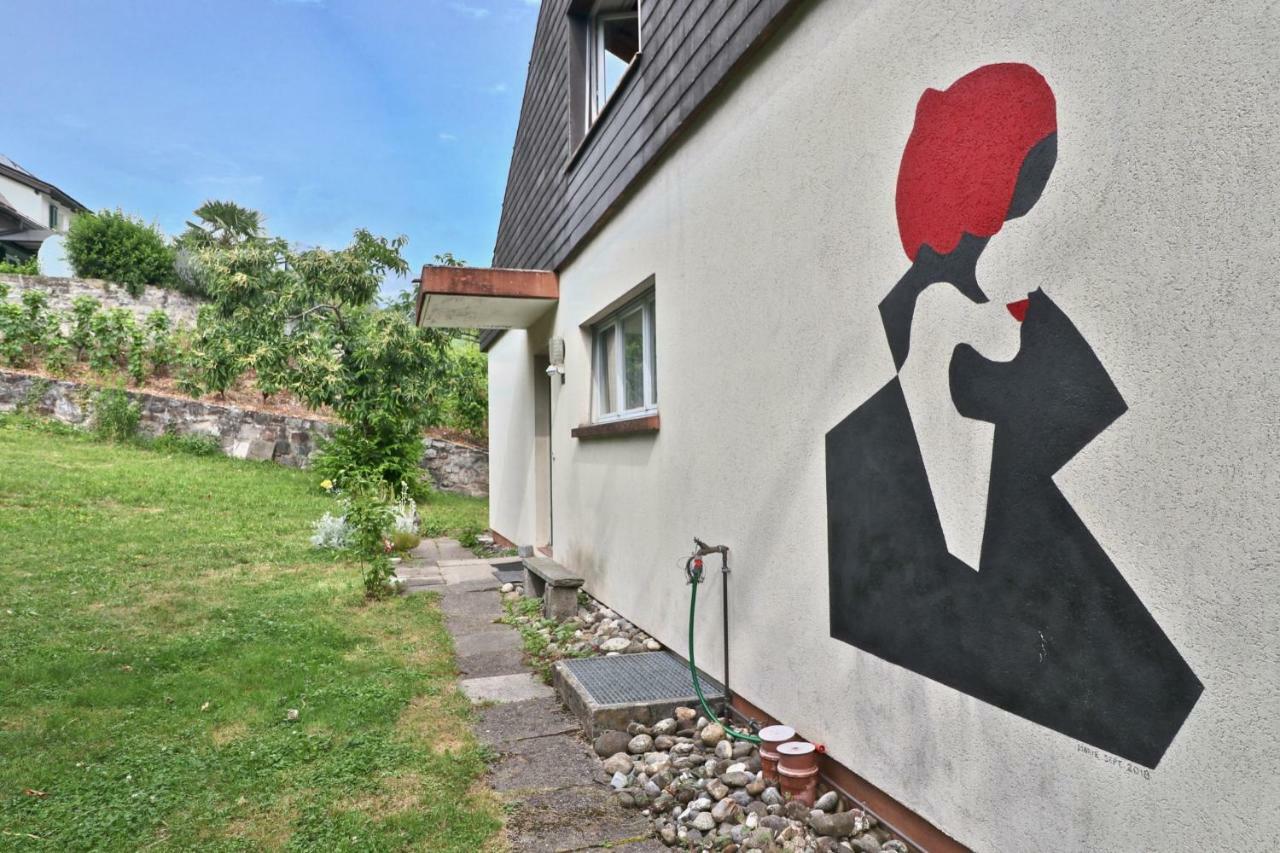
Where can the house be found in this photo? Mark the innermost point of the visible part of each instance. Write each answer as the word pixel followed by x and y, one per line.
pixel 31 210
pixel 956 323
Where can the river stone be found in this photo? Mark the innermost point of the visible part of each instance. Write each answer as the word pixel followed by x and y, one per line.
pixel 700 805
pixel 685 716
pixel 717 789
pixel 756 786
pixel 640 744
pixel 720 810
pixel 652 645
pixel 619 762
pixel 736 778
pixel 665 726
pixel 610 743
pixel 837 825
pixel 668 835
pixel 703 822
pixel 893 845
pixel 775 822
pixel 828 802
pixel 761 838
pixel 615 644
pixel 796 810
pixel 711 734
pixel 866 843
pixel 663 742
pixel 685 794
pixel 742 749
pixel 771 797
pixel 724 750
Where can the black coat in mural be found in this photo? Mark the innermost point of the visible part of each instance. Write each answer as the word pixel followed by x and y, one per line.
pixel 1047 628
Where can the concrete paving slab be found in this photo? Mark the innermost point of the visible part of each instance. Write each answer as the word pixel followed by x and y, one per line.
pixel 505 688
pixel 504 724
pixel 451 549
pixel 470 602
pixel 555 761
pixel 573 819
pixel 464 571
pixel 488 664
pixel 497 638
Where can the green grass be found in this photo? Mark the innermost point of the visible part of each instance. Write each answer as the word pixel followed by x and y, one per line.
pixel 447 514
pixel 160 614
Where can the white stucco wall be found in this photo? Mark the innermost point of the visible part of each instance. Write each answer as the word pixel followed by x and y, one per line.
pixel 32 204
pixel 771 233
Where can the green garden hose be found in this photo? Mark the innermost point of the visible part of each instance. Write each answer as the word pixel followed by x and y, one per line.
pixel 695 578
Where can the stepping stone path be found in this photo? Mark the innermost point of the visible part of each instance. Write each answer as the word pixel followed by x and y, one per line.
pixel 555 785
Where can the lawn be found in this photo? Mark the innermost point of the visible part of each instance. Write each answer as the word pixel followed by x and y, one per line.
pixel 161 614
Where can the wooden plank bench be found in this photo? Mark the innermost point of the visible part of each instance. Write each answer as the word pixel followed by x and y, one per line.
pixel 557 587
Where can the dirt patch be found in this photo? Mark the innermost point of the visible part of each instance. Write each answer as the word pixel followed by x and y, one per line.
pixel 395 794
pixel 436 721
pixel 228 732
pixel 270 828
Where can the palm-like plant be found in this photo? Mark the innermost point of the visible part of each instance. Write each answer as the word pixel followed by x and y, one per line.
pixel 223 224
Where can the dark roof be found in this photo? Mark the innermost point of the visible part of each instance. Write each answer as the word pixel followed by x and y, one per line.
pixel 11 169
pixel 560 190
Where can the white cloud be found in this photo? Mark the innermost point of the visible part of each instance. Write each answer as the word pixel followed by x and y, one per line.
pixel 495 89
pixel 446 137
pixel 474 12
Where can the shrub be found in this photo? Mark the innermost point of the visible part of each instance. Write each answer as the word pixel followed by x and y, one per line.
pixel 394 456
pixel 115 417
pixel 467 406
pixel 83 308
pixel 160 347
pixel 370 517
pixel 28 267
pixel 114 246
pixel 330 531
pixel 402 541
pixel 111 336
pixel 190 445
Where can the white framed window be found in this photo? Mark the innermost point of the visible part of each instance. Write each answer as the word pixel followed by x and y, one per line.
pixel 613 43
pixel 623 361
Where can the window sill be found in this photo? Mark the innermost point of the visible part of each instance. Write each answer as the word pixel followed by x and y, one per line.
pixel 646 425
pixel 604 112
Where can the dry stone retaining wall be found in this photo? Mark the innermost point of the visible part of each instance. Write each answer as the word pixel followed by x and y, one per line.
pixel 242 433
pixel 181 308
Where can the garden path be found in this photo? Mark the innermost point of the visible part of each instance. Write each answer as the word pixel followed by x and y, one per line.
pixel 555 786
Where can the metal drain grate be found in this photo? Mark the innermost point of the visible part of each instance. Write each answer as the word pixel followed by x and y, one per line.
pixel 638 678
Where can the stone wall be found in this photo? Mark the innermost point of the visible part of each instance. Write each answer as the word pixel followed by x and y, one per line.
pixel 241 433
pixel 180 307
pixel 457 468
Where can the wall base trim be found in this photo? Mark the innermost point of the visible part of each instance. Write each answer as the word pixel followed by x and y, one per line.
pixel 898 818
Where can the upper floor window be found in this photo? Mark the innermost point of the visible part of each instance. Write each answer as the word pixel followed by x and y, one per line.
pixel 53 217
pixel 624 378
pixel 613 43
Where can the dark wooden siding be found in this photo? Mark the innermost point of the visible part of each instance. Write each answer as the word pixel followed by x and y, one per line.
pixel 688 49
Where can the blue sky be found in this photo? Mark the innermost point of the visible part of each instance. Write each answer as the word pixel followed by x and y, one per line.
pixel 326 115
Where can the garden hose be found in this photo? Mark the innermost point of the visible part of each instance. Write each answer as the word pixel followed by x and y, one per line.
pixel 695 578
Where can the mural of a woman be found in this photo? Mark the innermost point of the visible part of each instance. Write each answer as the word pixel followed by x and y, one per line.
pixel 1046 627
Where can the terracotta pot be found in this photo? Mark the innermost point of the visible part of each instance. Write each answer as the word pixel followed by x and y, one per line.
pixel 801 786
pixel 798 757
pixel 770 738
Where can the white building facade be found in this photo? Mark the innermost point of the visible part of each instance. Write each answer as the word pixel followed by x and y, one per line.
pixel 1017 566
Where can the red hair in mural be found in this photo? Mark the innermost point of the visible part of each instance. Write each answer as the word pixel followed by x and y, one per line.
pixel 962 159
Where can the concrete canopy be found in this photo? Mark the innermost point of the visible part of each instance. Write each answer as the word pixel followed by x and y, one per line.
pixel 482 298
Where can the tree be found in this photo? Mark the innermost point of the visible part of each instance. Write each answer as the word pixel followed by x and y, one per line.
pixel 223 224
pixel 307 321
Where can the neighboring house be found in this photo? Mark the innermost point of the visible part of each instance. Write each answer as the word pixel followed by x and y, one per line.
pixel 31 210
pixel 957 323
